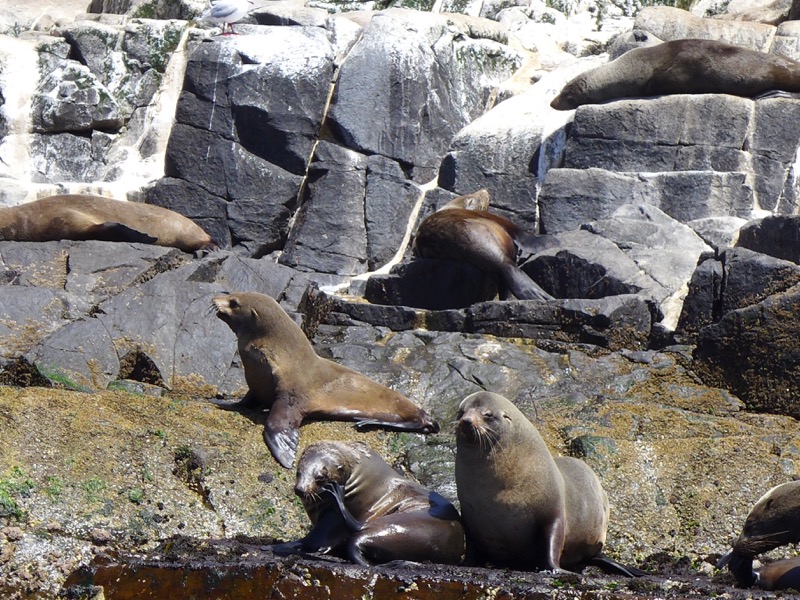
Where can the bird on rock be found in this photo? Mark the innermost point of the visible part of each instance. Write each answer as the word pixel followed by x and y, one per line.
pixel 226 12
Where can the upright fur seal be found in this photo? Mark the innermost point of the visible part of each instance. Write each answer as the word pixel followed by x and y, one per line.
pixel 774 521
pixel 87 217
pixel 682 67
pixel 360 507
pixel 464 230
pixel 285 375
pixel 521 507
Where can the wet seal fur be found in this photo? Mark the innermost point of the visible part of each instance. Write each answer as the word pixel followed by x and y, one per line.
pixel 522 508
pixel 465 230
pixel 361 508
pixel 284 374
pixel 688 66
pixel 88 217
pixel 774 521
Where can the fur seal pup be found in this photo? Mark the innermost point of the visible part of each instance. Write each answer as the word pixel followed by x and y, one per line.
pixel 285 375
pixel 463 229
pixel 689 66
pixel 779 575
pixel 774 521
pixel 361 508
pixel 521 507
pixel 87 217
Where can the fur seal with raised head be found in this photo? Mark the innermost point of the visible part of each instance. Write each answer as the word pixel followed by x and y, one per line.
pixel 689 66
pixel 465 230
pixel 774 521
pixel 522 508
pixel 284 374
pixel 88 217
pixel 362 508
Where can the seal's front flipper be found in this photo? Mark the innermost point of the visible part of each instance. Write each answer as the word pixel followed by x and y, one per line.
pixel 281 430
pixel 250 400
pixel 613 567
pixel 117 232
pixel 286 548
pixel 335 490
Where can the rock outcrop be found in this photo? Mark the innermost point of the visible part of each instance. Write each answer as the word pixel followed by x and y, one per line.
pixel 310 146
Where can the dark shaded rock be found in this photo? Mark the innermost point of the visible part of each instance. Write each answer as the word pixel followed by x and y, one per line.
pixel 191 200
pixel 613 322
pixel 432 284
pixel 259 193
pixel 777 236
pixel 754 353
pixel 330 235
pixel 585 265
pixel 751 277
pixel 702 304
pixel 390 198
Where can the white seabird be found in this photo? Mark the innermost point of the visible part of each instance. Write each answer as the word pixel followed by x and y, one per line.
pixel 226 12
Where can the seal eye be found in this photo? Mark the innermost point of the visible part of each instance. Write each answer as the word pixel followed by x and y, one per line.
pixel 233 303
pixel 487 414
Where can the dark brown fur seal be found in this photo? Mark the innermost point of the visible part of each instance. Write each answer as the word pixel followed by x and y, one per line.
pixel 362 508
pixel 780 575
pixel 521 507
pixel 774 521
pixel 86 217
pixel 285 375
pixel 464 230
pixel 683 67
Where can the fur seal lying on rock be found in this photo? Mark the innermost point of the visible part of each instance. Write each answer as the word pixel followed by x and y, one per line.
pixel 362 508
pixel 774 521
pixel 285 375
pixel 87 217
pixel 464 230
pixel 689 66
pixel 522 508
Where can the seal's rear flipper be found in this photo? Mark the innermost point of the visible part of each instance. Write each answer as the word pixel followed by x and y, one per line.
pixel 611 566
pixel 522 286
pixel 335 490
pixel 117 232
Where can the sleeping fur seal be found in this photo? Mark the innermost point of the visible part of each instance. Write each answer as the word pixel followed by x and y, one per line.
pixel 689 66
pixel 285 375
pixel 465 230
pixel 522 508
pixel 362 508
pixel 774 521
pixel 87 217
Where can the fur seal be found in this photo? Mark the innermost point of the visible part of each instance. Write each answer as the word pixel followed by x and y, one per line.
pixel 285 375
pixel 780 575
pixel 774 521
pixel 362 508
pixel 522 508
pixel 463 229
pixel 689 66
pixel 87 217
